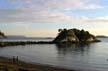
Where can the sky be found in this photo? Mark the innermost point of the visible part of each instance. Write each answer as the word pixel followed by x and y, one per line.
pixel 43 18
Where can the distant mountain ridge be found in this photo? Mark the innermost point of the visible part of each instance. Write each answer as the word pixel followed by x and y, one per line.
pixel 16 36
pixel 24 37
pixel 102 36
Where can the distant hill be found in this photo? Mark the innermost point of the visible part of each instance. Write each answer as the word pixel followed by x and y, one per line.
pixel 24 37
pixel 15 36
pixel 102 36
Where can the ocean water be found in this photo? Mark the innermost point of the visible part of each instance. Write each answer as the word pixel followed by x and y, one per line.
pixel 25 39
pixel 89 57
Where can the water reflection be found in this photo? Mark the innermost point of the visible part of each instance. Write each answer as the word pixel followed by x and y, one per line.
pixel 64 49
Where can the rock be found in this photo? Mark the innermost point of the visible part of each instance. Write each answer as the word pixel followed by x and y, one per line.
pixel 2 35
pixel 74 35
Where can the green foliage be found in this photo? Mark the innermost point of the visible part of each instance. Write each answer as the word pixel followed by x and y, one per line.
pixel 82 35
pixel 62 34
pixel 59 30
pixel 2 34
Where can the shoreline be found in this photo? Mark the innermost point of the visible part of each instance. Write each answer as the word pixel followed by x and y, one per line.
pixel 9 65
pixel 16 43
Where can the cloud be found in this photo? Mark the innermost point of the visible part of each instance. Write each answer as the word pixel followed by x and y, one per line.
pixel 99 19
pixel 57 4
pixel 32 16
pixel 40 11
pixel 44 16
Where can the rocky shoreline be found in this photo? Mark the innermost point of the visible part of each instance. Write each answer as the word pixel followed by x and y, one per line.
pixel 16 43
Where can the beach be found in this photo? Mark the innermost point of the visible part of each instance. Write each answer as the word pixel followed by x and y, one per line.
pixel 8 64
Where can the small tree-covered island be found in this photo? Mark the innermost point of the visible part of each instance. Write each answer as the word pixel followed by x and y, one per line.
pixel 64 36
pixel 74 36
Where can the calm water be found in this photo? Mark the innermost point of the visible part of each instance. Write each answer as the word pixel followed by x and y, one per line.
pixel 91 57
pixel 25 39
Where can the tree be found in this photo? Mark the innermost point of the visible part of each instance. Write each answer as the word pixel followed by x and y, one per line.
pixel 2 34
pixel 60 30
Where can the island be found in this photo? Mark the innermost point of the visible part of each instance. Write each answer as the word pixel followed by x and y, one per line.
pixel 71 36
pixel 74 36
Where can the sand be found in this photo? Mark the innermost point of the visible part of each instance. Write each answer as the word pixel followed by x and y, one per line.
pixel 7 64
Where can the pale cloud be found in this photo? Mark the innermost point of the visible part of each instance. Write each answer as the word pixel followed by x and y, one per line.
pixel 88 20
pixel 44 16
pixel 38 11
pixel 100 19
pixel 49 11
pixel 57 4
pixel 32 16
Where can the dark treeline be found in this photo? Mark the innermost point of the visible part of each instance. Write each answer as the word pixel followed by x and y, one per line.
pixel 74 35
